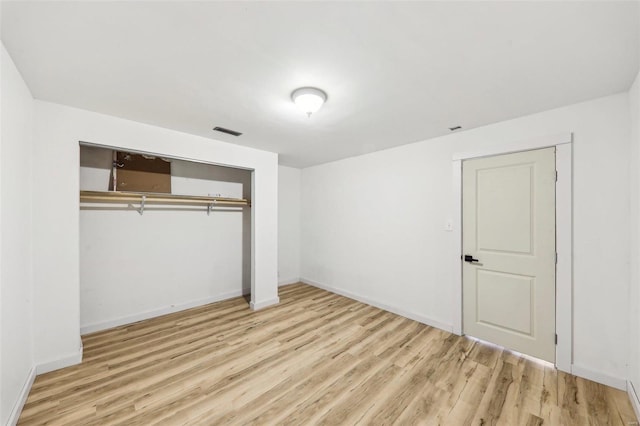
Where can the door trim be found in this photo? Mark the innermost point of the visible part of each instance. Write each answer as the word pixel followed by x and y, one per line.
pixel 564 227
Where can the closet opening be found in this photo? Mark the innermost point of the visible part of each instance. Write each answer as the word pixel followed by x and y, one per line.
pixel 159 235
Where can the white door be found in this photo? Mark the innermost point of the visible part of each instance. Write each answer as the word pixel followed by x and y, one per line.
pixel 508 242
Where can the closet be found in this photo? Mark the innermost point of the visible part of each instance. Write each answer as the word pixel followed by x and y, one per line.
pixel 158 235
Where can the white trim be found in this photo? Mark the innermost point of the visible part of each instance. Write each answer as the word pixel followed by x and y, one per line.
pixel 66 361
pixel 564 249
pixel 586 373
pixel 457 237
pixel 264 303
pixel 516 146
pixel 22 398
pixel 393 309
pixel 104 325
pixel 633 397
pixel 289 281
pixel 564 234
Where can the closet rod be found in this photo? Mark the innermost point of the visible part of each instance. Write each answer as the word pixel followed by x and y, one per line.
pixel 151 198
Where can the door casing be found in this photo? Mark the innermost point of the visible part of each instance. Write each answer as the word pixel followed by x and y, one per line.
pixel 564 301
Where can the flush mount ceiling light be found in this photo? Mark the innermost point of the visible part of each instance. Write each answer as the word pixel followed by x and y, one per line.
pixel 308 99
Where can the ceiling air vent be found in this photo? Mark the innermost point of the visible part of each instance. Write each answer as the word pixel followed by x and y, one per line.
pixel 227 131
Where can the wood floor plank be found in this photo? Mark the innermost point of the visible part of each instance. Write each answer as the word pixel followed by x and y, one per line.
pixel 315 385
pixel 318 404
pixel 360 399
pixel 316 358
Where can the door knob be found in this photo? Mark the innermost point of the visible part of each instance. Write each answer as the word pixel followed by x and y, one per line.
pixel 469 258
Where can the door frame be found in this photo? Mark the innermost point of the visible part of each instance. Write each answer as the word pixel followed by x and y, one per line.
pixel 564 239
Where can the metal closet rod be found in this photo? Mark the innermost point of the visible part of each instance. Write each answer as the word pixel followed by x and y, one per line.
pixel 153 198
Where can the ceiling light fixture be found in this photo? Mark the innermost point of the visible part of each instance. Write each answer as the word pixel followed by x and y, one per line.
pixel 308 99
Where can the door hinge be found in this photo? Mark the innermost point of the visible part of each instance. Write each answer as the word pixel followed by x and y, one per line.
pixel 556 339
pixel 556 175
pixel 556 258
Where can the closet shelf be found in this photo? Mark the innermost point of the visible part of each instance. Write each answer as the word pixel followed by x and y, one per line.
pixel 154 198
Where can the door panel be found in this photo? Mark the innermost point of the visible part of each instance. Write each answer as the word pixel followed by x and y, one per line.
pixel 509 227
pixel 513 317
pixel 507 230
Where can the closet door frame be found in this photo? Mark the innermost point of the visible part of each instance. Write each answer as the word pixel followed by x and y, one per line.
pixel 259 265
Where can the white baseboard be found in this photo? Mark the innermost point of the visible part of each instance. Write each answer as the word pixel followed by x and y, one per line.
pixel 288 281
pixel 22 398
pixel 264 303
pixel 390 308
pixel 65 361
pixel 605 379
pixel 633 397
pixel 104 325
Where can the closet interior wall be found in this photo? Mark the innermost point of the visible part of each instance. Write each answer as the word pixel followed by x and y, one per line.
pixel 136 266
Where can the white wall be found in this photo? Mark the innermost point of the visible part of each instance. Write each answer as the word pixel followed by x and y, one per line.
pixel 288 224
pixel 374 225
pixel 16 351
pixel 634 288
pixel 56 213
pixel 134 267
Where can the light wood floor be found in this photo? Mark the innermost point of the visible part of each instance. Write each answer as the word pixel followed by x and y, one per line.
pixel 316 358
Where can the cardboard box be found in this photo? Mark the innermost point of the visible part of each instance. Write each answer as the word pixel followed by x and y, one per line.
pixel 142 173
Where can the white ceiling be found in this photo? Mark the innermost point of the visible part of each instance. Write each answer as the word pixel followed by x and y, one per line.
pixel 394 72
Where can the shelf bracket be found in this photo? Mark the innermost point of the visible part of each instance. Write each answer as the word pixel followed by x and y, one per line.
pixel 141 209
pixel 210 207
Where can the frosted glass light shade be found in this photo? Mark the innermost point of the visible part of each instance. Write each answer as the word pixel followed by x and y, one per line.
pixel 308 99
